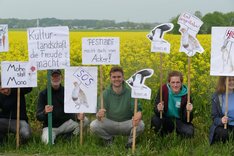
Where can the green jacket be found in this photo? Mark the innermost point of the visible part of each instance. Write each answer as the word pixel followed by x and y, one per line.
pixel 119 107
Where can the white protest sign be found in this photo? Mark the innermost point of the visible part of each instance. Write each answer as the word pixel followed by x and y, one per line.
pixel 18 74
pixel 189 27
pixel 4 43
pixel 80 90
pixel 100 50
pixel 136 82
pixel 49 47
pixel 158 44
pixel 222 51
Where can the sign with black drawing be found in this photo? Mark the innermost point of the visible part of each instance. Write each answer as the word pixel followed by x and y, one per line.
pixel 80 90
pixel 136 82
pixel 158 43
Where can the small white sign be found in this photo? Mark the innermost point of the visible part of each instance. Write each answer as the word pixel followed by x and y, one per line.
pixel 222 51
pixel 49 47
pixel 100 50
pixel 4 43
pixel 136 82
pixel 158 43
pixel 189 27
pixel 80 90
pixel 18 74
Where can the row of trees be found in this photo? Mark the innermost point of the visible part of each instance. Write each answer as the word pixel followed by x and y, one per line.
pixel 210 19
pixel 74 24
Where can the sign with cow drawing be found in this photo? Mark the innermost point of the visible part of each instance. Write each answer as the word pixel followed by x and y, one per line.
pixel 80 90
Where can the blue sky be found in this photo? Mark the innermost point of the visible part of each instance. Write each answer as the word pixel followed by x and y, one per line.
pixel 118 10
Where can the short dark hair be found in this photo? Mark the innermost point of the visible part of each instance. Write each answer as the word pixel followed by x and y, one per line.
pixel 116 69
pixel 175 73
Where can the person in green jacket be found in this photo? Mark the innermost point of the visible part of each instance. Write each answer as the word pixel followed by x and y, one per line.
pixel 117 116
pixel 174 107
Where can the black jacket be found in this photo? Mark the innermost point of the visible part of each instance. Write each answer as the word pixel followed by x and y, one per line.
pixel 58 114
pixel 8 104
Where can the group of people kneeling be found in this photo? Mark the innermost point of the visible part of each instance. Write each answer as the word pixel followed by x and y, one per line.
pixel 117 117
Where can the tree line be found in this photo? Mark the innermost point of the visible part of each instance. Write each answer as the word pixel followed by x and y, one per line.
pixel 210 19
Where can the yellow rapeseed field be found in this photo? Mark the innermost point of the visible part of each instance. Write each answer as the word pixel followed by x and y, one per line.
pixel 135 55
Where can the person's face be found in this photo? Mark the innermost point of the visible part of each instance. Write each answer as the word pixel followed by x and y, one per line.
pixel 231 83
pixel 56 80
pixel 116 79
pixel 5 91
pixel 175 84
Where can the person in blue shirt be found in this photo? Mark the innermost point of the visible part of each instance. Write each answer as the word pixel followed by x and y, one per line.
pixel 217 131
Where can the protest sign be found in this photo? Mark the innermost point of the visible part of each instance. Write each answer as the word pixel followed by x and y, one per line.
pixel 189 27
pixel 4 43
pixel 136 82
pixel 100 50
pixel 80 90
pixel 158 43
pixel 18 74
pixel 222 51
pixel 49 47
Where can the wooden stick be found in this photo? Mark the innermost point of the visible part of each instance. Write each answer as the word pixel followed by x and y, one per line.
pixel 161 83
pixel 81 132
pixel 188 102
pixel 226 102
pixel 101 86
pixel 18 119
pixel 134 128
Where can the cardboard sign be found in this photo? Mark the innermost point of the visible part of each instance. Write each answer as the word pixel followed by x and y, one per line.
pixel 4 43
pixel 100 50
pixel 158 44
pixel 18 74
pixel 136 82
pixel 222 51
pixel 189 27
pixel 49 47
pixel 80 90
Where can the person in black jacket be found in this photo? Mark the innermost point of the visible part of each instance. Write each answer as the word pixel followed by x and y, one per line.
pixel 62 123
pixel 8 113
pixel 174 107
